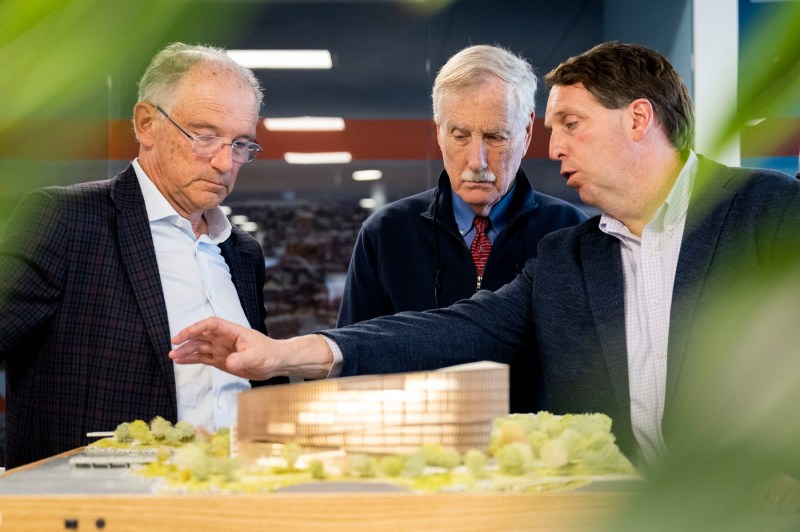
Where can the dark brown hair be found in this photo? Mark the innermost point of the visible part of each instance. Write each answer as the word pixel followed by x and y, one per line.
pixel 617 74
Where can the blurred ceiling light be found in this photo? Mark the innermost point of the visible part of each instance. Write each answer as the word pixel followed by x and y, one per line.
pixel 305 123
pixel 250 227
pixel 367 203
pixel 367 175
pixel 225 210
pixel 333 157
pixel 238 219
pixel 283 59
pixel 755 121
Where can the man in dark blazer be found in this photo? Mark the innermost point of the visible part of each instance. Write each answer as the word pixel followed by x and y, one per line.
pixel 89 293
pixel 414 254
pixel 609 308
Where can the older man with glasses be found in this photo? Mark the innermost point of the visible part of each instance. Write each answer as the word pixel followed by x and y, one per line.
pixel 96 278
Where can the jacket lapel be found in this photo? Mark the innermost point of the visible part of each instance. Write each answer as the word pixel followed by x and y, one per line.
pixel 708 208
pixel 605 289
pixel 244 278
pixel 139 260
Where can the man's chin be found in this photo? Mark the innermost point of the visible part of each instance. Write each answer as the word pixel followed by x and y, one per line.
pixel 480 202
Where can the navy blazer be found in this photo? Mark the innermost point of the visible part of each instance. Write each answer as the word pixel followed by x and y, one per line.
pixel 566 310
pixel 83 322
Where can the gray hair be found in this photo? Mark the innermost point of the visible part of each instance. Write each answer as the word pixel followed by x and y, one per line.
pixel 170 65
pixel 474 65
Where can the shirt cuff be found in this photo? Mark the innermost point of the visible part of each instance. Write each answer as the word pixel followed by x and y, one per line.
pixel 338 358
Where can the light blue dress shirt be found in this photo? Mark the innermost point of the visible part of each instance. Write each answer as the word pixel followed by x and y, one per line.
pixel 197 284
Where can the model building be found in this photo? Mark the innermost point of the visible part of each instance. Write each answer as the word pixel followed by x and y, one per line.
pixel 380 414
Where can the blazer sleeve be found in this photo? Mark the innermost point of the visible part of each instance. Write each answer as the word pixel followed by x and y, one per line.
pixel 32 269
pixel 489 326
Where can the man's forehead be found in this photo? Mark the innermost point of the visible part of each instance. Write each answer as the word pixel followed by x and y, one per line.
pixel 562 96
pixel 557 92
pixel 470 117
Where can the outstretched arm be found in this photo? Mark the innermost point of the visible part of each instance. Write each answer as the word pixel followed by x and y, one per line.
pixel 249 354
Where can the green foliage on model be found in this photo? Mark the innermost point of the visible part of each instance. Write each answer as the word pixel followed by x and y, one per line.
pixel 291 452
pixel 525 450
pixel 438 456
pixel 476 462
pixel 139 434
pixel 361 465
pixel 568 444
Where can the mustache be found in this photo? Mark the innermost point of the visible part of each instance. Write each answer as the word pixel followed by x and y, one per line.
pixel 484 176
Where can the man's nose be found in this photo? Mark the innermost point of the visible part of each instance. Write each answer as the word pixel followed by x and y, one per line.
pixel 477 155
pixel 222 161
pixel 556 150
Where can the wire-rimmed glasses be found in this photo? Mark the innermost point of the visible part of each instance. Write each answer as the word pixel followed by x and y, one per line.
pixel 209 145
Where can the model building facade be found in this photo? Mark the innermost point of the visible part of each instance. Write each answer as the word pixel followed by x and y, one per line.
pixel 381 414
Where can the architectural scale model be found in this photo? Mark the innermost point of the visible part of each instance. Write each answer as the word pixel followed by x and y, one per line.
pixel 378 414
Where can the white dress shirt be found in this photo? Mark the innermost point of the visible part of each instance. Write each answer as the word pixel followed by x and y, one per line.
pixel 649 265
pixel 197 284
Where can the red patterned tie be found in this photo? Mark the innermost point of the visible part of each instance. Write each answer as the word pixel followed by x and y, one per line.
pixel 481 246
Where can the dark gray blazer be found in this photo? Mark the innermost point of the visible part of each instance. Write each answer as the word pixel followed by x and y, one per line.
pixel 83 323
pixel 566 310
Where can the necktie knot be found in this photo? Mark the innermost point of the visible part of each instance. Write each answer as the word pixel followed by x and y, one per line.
pixel 480 223
pixel 481 245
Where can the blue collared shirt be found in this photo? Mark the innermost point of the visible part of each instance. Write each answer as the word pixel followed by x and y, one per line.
pixel 197 284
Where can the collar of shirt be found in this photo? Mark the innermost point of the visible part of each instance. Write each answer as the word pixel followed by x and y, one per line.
pixel 498 216
pixel 158 208
pixel 668 215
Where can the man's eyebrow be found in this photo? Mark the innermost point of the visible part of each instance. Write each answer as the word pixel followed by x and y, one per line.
pixel 558 115
pixel 201 125
pixel 497 129
pixel 248 136
pixel 215 129
pixel 450 125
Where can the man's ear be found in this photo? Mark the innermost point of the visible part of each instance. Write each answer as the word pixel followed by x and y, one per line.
pixel 642 117
pixel 143 123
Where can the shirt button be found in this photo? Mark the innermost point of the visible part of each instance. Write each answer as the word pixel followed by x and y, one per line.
pixel 179 223
pixel 650 253
pixel 219 406
pixel 662 354
pixel 670 228
pixel 654 302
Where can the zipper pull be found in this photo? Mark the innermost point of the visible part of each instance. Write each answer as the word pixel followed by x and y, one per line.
pixel 478 287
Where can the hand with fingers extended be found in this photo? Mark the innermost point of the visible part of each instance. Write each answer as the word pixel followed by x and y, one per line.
pixel 248 353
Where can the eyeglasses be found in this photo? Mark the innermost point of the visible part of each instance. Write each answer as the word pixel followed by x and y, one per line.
pixel 209 145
